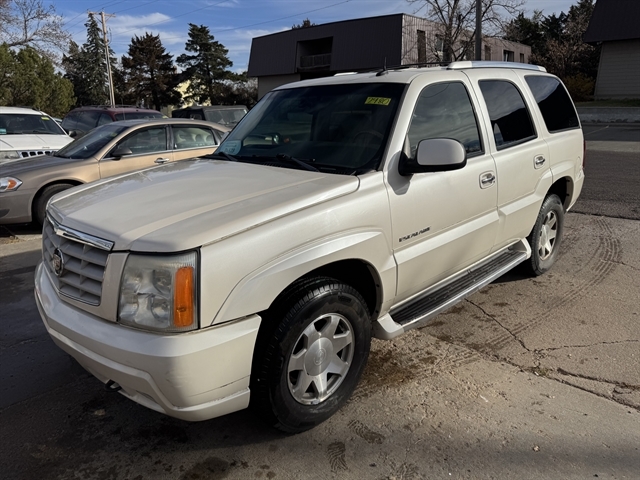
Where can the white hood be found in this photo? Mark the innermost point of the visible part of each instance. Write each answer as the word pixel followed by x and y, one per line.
pixel 187 204
pixel 33 142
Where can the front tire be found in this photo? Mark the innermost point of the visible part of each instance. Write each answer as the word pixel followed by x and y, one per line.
pixel 310 354
pixel 546 236
pixel 39 208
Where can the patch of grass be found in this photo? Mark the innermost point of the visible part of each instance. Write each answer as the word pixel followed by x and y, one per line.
pixel 629 102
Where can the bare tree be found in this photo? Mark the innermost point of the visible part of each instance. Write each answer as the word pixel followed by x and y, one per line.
pixel 455 23
pixel 31 23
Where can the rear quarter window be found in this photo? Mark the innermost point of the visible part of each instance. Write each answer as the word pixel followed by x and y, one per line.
pixel 555 104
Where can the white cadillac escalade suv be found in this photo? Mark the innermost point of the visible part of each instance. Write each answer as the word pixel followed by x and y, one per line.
pixel 338 209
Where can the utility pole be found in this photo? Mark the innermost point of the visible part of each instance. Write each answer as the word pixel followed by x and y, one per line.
pixel 478 29
pixel 104 16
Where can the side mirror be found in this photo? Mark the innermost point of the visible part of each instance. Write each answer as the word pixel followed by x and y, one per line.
pixel 72 133
pixel 120 152
pixel 435 155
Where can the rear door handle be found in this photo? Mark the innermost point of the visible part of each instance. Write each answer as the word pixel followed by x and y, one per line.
pixel 487 179
pixel 161 160
pixel 539 161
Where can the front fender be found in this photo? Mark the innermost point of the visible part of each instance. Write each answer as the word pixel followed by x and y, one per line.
pixel 257 290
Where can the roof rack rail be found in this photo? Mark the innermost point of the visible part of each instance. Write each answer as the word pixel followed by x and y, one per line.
pixel 460 65
pixel 404 66
pixel 110 106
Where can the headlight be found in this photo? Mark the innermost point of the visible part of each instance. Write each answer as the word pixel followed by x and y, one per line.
pixel 9 155
pixel 159 292
pixel 8 184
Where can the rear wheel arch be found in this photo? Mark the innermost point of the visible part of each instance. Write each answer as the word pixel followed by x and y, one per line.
pixel 563 189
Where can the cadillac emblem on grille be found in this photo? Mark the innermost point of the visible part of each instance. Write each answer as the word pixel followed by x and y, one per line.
pixel 57 262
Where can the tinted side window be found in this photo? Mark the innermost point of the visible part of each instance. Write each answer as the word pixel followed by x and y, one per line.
pixel 510 118
pixel 192 137
pixel 554 102
pixel 104 119
pixel 69 122
pixel 87 121
pixel 444 110
pixel 146 141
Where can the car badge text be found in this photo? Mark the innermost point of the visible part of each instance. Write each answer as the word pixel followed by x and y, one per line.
pixel 415 234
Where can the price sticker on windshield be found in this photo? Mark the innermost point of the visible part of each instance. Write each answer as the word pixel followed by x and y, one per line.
pixel 377 101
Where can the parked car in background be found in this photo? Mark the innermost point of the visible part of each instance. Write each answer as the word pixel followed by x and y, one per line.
pixel 120 147
pixel 228 115
pixel 25 132
pixel 81 120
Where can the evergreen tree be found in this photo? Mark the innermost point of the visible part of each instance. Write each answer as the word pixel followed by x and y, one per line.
pixel 205 70
pixel 86 67
pixel 151 77
pixel 29 78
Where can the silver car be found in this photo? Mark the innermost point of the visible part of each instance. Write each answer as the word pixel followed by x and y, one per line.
pixel 26 185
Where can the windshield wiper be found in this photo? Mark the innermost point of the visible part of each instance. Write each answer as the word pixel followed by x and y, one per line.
pixel 297 161
pixel 224 155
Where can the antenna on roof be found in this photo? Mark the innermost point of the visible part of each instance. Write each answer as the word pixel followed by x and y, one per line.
pixel 384 70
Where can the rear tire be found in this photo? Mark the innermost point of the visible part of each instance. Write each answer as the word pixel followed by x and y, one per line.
pixel 39 208
pixel 310 354
pixel 546 236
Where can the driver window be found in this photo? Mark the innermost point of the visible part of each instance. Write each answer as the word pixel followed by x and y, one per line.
pixel 146 141
pixel 104 119
pixel 444 110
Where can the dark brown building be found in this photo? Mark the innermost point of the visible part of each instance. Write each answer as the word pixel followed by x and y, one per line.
pixel 360 45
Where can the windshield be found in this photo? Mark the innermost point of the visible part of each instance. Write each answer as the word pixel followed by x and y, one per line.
pixel 137 115
pixel 21 124
pixel 336 128
pixel 92 142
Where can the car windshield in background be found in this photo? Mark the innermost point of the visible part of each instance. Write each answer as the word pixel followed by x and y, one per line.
pixel 137 115
pixel 91 143
pixel 19 124
pixel 335 128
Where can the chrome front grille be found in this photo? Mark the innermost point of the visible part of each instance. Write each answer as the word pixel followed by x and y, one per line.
pixel 76 266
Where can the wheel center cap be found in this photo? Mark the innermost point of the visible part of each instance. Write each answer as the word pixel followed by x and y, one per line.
pixel 318 356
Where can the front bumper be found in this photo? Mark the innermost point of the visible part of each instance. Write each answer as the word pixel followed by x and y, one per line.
pixel 192 376
pixel 15 207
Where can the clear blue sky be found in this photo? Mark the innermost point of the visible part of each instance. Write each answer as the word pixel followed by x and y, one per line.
pixel 233 22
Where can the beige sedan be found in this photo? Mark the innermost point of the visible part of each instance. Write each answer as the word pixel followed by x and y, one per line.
pixel 27 185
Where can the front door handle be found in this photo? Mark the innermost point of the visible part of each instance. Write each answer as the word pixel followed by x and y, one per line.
pixel 539 161
pixel 487 179
pixel 161 160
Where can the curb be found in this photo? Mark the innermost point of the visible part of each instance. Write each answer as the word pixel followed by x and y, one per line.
pixel 609 115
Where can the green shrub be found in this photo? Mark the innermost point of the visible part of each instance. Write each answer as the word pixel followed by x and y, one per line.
pixel 580 87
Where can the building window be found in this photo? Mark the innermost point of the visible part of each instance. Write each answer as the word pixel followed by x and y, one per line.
pixel 522 58
pixel 439 44
pixel 422 46
pixel 507 56
pixel 487 52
